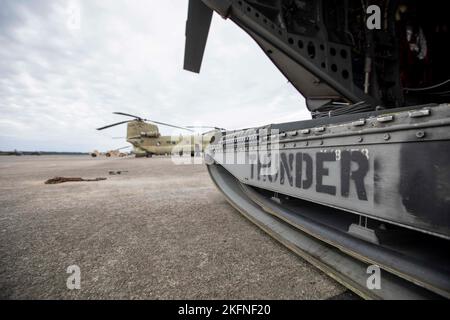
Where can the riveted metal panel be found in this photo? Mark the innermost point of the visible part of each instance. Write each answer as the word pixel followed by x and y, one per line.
pixel 396 171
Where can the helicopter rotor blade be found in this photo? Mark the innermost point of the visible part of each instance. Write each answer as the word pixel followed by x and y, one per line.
pixel 128 115
pixel 168 125
pixel 114 124
pixel 205 127
pixel 197 29
pixel 122 148
pixel 142 119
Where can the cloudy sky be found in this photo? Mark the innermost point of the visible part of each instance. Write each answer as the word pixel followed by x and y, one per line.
pixel 63 74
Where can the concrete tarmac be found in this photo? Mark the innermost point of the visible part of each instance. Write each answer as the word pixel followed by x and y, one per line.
pixel 158 231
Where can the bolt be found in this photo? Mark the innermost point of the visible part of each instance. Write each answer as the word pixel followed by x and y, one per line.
pixel 321 142
pixel 420 134
pixel 360 139
pixel 386 136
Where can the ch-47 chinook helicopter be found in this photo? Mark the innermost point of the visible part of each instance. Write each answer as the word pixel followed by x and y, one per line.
pixel 365 184
pixel 147 141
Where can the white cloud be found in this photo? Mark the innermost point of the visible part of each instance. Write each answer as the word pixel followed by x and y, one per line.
pixel 58 84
